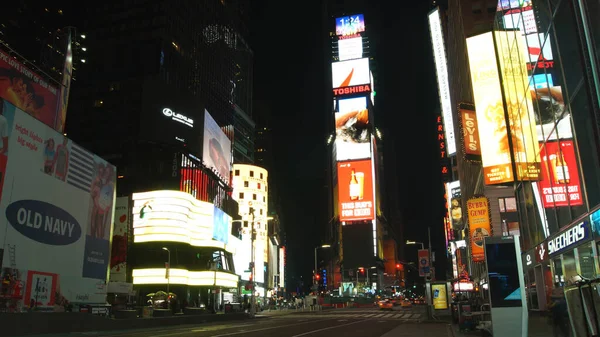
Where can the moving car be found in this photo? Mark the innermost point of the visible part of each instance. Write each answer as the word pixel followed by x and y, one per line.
pixel 386 304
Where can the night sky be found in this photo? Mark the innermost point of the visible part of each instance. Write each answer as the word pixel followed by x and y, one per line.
pixel 290 91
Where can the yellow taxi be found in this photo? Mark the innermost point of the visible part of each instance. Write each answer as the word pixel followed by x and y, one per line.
pixel 386 304
pixel 405 303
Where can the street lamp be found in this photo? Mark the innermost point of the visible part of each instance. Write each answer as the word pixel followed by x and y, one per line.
pixel 408 242
pixel 168 272
pixel 315 273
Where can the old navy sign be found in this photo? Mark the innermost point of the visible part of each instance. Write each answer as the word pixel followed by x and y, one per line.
pixel 569 238
pixel 357 89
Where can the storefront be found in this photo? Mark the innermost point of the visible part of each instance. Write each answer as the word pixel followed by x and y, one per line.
pixel 572 254
pixel 538 277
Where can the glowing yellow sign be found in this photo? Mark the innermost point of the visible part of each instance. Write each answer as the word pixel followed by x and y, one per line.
pixel 186 277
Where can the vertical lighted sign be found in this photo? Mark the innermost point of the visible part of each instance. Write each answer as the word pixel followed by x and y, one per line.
pixel 479 222
pixel 441 70
pixel 445 163
pixel 470 131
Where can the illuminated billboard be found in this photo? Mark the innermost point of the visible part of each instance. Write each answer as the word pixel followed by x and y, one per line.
pixel 560 176
pixel 175 216
pixel 57 207
pixel 485 77
pixel 441 70
pixel 350 25
pixel 118 255
pixel 552 117
pixel 352 139
pixel 517 96
pixel 470 132
pixel 520 20
pixel 355 190
pixel 534 51
pixel 216 153
pixel 28 91
pixel 349 49
pixel 478 210
pixel 351 73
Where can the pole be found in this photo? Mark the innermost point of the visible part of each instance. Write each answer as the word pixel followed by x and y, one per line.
pixel 315 271
pixel 252 257
pixel 169 277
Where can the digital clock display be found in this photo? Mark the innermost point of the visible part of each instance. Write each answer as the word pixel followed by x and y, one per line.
pixel 350 25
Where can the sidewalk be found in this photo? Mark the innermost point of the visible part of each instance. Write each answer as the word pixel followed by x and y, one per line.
pixel 538 327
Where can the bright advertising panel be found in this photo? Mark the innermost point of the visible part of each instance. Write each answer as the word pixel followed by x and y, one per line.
pixel 519 105
pixel 216 153
pixel 174 216
pixel 441 70
pixel 352 139
pixel 221 226
pixel 520 20
pixel 535 51
pixel 478 210
pixel 440 296
pixel 350 25
pixel 350 73
pixel 560 184
pixel 118 255
pixel 59 201
pixel 28 91
pixel 355 190
pixel 349 49
pixel 485 79
pixel 470 131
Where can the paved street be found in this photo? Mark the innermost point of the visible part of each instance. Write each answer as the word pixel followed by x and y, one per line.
pixel 342 322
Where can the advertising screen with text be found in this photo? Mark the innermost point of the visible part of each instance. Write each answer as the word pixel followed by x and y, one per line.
pixel 560 177
pixel 27 90
pixel 355 190
pixel 350 25
pixel 57 206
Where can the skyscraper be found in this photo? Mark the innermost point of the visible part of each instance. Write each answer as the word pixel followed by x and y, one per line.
pixel 152 65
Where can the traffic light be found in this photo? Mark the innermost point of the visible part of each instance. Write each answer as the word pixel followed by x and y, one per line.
pixel 317 277
pixel 398 266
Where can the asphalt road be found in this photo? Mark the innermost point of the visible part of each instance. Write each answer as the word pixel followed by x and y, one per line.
pixel 327 323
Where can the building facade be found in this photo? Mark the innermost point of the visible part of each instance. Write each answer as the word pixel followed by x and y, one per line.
pixel 544 84
pixel 260 242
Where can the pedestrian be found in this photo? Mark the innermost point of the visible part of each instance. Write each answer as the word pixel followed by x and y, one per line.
pixel 559 312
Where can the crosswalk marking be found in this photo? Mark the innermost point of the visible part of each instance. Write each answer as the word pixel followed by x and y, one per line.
pixel 374 315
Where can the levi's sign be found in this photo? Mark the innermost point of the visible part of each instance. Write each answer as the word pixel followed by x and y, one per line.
pixel 43 222
pixel 357 89
pixel 568 238
pixel 178 117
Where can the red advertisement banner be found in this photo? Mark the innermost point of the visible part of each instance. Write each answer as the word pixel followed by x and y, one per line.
pixel 27 90
pixel 560 177
pixel 355 190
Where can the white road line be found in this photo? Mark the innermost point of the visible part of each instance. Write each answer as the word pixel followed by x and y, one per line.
pixel 239 332
pixel 324 329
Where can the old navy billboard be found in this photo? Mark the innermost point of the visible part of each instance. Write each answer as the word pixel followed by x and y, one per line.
pixel 58 201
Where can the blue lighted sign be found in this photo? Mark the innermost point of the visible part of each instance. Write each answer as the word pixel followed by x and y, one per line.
pixel 569 238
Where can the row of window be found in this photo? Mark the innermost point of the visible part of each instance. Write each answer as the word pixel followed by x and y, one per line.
pixel 237 174
pixel 254 197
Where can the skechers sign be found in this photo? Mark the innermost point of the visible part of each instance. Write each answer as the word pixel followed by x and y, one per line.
pixel 568 238
pixel 178 117
pixel 43 222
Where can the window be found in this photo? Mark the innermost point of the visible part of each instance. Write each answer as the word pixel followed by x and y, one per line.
pixel 258 185
pixel 261 176
pixel 252 173
pixel 253 196
pixel 241 195
pixel 246 184
pixel 264 199
pixel 237 172
pixel 261 211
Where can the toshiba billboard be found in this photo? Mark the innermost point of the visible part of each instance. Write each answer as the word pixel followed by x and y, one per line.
pixel 351 77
